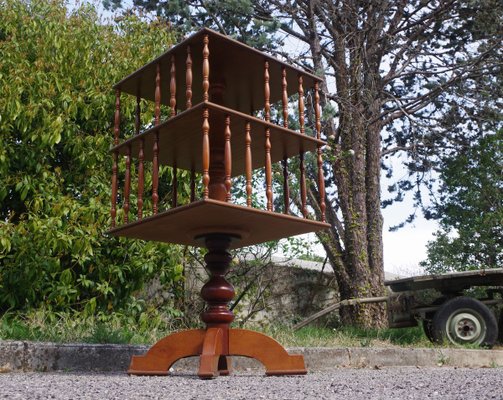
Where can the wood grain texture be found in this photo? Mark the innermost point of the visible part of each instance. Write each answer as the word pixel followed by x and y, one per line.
pixel 113 209
pixel 163 354
pixel 267 93
pixel 180 140
pixel 286 187
pixel 155 174
pixel 141 178
pixel 211 352
pixel 117 116
pixel 188 79
pixel 172 87
pixel 248 164
pixel 248 78
pixel 284 96
pixel 227 158
pixel 206 68
pixel 319 155
pixel 269 352
pixel 181 225
pixel 302 179
pixel 206 154
pixel 268 170
pixel 301 105
pixel 137 116
pixel 127 185
pixel 157 110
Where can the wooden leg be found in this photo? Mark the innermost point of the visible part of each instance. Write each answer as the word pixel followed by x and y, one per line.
pixel 166 351
pixel 210 356
pixel 270 353
pixel 225 365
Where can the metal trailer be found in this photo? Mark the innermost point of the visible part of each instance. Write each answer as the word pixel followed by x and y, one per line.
pixel 451 315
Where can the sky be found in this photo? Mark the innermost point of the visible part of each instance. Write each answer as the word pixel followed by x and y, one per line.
pixel 405 248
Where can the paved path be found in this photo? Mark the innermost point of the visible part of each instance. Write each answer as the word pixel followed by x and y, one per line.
pixel 366 384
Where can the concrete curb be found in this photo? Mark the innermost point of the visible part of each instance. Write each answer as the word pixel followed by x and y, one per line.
pixel 17 356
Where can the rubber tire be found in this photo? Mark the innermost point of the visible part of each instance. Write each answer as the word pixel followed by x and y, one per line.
pixel 428 329
pixel 428 319
pixel 472 308
pixel 500 327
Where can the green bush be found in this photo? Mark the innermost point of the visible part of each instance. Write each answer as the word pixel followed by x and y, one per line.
pixel 56 73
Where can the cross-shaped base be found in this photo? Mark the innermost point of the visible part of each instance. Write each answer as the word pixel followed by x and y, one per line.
pixel 208 344
pixel 215 344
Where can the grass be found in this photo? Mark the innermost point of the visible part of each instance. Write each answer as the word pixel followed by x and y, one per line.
pixel 349 337
pixel 118 328
pixel 67 328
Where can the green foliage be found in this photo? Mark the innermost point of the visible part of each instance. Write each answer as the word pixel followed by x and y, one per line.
pixel 470 210
pixel 65 327
pixel 56 73
pixel 241 19
pixel 130 326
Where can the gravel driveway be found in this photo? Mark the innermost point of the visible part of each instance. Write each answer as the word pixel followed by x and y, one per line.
pixel 366 384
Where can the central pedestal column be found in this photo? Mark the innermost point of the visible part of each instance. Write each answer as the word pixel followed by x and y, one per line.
pixel 217 293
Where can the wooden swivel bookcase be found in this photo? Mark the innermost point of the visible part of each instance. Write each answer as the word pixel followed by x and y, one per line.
pixel 219 127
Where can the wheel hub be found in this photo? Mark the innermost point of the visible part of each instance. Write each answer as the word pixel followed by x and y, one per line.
pixel 466 327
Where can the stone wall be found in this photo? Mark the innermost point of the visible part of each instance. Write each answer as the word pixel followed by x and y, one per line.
pixel 282 292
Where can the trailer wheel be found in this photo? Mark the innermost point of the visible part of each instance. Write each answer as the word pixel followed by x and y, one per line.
pixel 428 319
pixel 500 328
pixel 464 320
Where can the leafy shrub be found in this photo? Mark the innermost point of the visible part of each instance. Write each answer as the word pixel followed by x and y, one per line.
pixel 56 73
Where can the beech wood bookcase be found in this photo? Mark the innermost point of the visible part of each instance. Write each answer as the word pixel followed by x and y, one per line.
pixel 219 94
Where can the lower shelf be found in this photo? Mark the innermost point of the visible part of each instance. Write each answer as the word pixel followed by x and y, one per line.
pixel 184 224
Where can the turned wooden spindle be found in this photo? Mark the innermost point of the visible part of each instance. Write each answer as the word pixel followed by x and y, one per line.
pixel 117 118
pixel 206 68
pixel 172 87
pixel 141 178
pixel 141 155
pixel 303 185
pixel 227 158
pixel 155 173
pixel 248 164
pixel 137 115
pixel 286 186
pixel 268 169
pixel 155 148
pixel 188 79
pixel 301 105
pixel 267 93
pixel 157 95
pixel 174 199
pixel 321 178
pixel 284 87
pixel 206 154
pixel 127 184
pixel 192 185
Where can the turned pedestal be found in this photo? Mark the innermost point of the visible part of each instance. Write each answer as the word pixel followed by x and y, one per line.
pixel 215 344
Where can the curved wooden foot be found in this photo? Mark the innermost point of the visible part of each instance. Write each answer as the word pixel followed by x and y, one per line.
pixel 210 356
pixel 162 355
pixel 270 353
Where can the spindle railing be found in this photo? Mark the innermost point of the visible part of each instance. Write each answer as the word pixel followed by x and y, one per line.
pixel 241 133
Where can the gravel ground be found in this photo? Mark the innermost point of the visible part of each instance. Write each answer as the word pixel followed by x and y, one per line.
pixel 387 383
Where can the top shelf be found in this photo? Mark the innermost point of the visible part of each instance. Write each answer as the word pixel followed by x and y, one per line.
pixel 238 66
